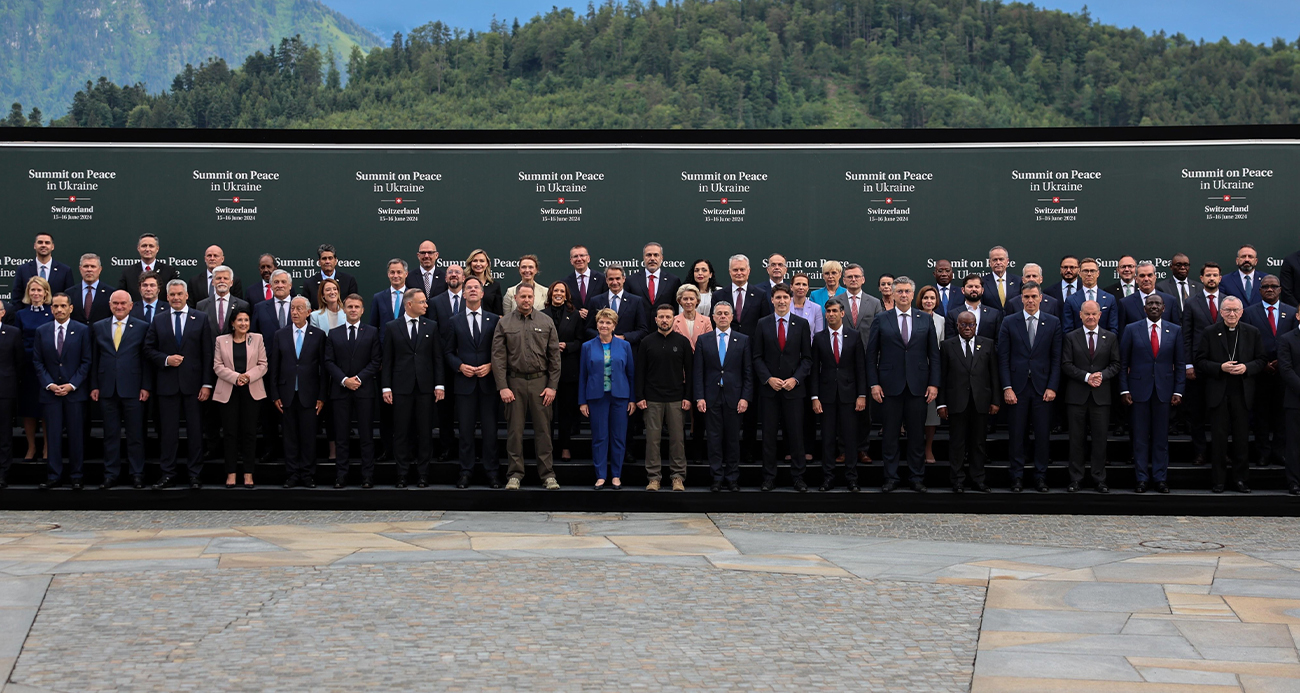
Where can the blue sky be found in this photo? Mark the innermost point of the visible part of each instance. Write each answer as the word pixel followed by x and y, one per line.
pixel 1258 21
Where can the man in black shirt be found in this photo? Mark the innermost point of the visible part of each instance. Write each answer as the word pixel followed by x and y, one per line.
pixel 663 366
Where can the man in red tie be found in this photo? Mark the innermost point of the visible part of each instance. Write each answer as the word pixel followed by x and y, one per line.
pixel 147 248
pixel 1273 319
pixel 837 384
pixel 1151 380
pixel 90 295
pixel 654 284
pixel 782 360
pixel 1201 310
pixel 261 290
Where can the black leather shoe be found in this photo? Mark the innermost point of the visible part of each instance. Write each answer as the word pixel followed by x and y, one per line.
pixel 982 488
pixel 1217 488
pixel 1241 487
pixel 290 482
pixel 76 486
pixel 734 487
pixel 422 482
pixel 495 482
pixel 1042 487
pixel 919 487
pixel 165 482
pixel 401 483
pixel 462 481
pixel 4 483
pixel 767 486
pixel 854 488
pixel 309 482
pixel 195 485
pixel 958 489
pixel 110 482
pixel 137 482
pixel 826 486
pixel 888 486
pixel 1103 488
pixel 801 486
pixel 716 488
pixel 1072 488
pixel 1294 490
pixel 1162 487
pixel 49 485
pixel 367 483
pixel 1141 487
pixel 1016 487
pixel 339 483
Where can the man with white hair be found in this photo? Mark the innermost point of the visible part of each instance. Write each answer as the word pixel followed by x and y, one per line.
pixel 223 302
pixel 201 286
pixel 1034 273
pixel 1229 357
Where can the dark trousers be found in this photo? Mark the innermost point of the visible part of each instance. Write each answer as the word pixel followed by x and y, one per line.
pixel 1270 422
pixel 967 436
pixel 413 431
pixel 1293 448
pixel 170 410
pixel 123 413
pixel 1151 439
pixel 864 429
pixel 1230 417
pixel 345 410
pixel 1029 413
pixel 269 421
pixel 839 421
pixel 446 418
pixel 6 435
pixel 70 416
pixel 1086 417
pixel 787 415
pixel 1193 410
pixel 566 414
pixel 299 439
pixel 723 425
pixel 238 429
pixel 898 411
pixel 481 407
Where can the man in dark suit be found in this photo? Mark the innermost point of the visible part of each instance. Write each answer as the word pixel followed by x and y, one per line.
pixel 1089 362
pixel 988 321
pixel 1152 373
pixel 1244 283
pixel 782 350
pixel 261 289
pixel 180 345
pixel 967 397
pixel 329 263
pixel 653 284
pixel 724 385
pixel 223 302
pixel 949 293
pixel 999 284
pixel 584 282
pixel 295 361
pixel 445 306
pixel 59 275
pixel 632 321
pixel 1126 269
pixel 12 359
pixel 1230 357
pixel 468 354
pixel 269 317
pixel 1069 284
pixel 1178 284
pixel 1202 311
pixel 837 385
pixel 1272 318
pixel 90 295
pixel 1288 363
pixel 201 284
pixel 352 358
pixel 151 303
pixel 62 357
pixel 902 356
pixel 1089 271
pixel 386 304
pixel 1029 366
pixel 427 277
pixel 1290 277
pixel 1133 308
pixel 749 302
pixel 1034 273
pixel 121 380
pixel 411 377
pixel 147 247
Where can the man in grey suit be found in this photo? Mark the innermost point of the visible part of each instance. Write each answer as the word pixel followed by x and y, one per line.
pixel 1089 363
pixel 860 309
pixel 222 304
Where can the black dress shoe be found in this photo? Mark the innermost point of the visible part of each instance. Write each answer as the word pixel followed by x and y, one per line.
pixel 422 482
pixel 1141 487
pixel 854 488
pixel 1103 488
pixel 137 482
pixel 496 482
pixel 309 482
pixel 230 485
pixel 1042 487
pixel 462 481
pixel 110 482
pixel 801 486
pixel 1072 488
pixel 734 487
pixel 716 488
pixel 195 486
pixel 401 483
pixel 1240 486
pixel 367 483
pixel 1294 490
pixel 826 486
pixel 338 483
pixel 290 482
pixel 958 489
pixel 1217 488
pixel 1016 487
pixel 767 486
pixel 76 486
pixel 982 488
pixel 165 482
pixel 49 485
pixel 888 486
pixel 919 487
pixel 1162 487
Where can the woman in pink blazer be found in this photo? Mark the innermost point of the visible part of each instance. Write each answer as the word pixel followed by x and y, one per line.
pixel 239 361
pixel 689 323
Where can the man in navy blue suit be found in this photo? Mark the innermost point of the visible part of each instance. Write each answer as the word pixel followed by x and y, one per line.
pixel 1133 308
pixel 782 349
pixel 269 317
pixel 1272 318
pixel 388 303
pixel 352 356
pixel 293 385
pixel 62 358
pixel 90 295
pixel 179 345
pixel 260 290
pixel 427 277
pixel 468 352
pixel 838 388
pixel 724 384
pixel 12 359
pixel 749 302
pixel 1069 284
pixel 652 283
pixel 120 380
pixel 988 321
pixel 1244 283
pixel 1151 378
pixel 444 306
pixel 1089 272
pixel 999 284
pixel 1034 273
pixel 583 282
pixel 1288 360
pixel 632 321
pixel 1201 311
pixel 151 303
pixel 1029 366
pixel 903 368
pixel 59 275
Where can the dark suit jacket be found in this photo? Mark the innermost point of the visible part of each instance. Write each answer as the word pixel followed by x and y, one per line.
pixel 1075 365
pixel 256 293
pixel 989 325
pixel 415 280
pixel 1232 286
pixel 381 308
pixel 737 374
pixel 900 368
pixel 1169 285
pixel 121 372
pixel 130 279
pixel 61 277
pixel 965 381
pixel 770 361
pixel 1049 305
pixel 460 349
pixel 441 306
pixel 70 367
pixel 199 289
pixel 286 368
pixel 412 367
pixel 360 358
pixel 1030 370
pixel 1142 376
pixel 137 310
pixel 208 306
pixel 757 305
pixel 266 321
pixel 347 284
pixel 196 346
pixel 1196 318
pixel 1288 358
pixel 1289 276
pixel 633 317
pixel 1109 311
pixel 12 359
pixel 1257 317
pixel 1133 309
pixel 1217 347
pixel 1054 290
pixel 595 286
pixel 665 288
pixel 1117 290
pixel 98 310
pixel 990 299
pixel 838 383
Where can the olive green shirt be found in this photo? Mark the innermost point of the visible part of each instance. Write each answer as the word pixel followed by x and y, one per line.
pixel 524 344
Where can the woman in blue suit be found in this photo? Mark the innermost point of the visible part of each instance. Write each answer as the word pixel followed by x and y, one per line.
pixel 605 396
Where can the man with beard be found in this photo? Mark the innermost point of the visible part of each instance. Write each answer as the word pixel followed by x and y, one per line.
pixel 1069 284
pixel 988 321
pixel 261 291
pixel 447 305
pixel 1244 283
pixel 1202 311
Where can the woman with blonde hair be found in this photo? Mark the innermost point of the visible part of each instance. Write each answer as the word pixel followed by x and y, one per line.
pixel 479 265
pixel 605 396
pixel 832 270
pixel 36 298
pixel 690 323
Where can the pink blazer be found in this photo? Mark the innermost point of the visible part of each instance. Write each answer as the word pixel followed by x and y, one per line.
pixel 702 325
pixel 223 362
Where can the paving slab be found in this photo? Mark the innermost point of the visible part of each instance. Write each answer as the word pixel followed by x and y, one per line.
pixel 1053 621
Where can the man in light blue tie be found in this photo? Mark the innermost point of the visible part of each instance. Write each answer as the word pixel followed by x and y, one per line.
pixel 387 303
pixel 296 359
pixel 724 387
pixel 943 283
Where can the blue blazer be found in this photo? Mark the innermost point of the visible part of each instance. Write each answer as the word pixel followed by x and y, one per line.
pixel 737 374
pixel 1257 316
pixel 196 346
pixel 381 308
pixel 12 360
pixel 633 323
pixel 73 367
pixel 120 372
pixel 441 307
pixel 61 277
pixel 1049 305
pixel 1142 376
pixel 1133 309
pixel 1109 311
pixel 1231 285
pixel 989 324
pixel 460 349
pixel 897 367
pixel 137 310
pixel 1019 365
pixel 266 322
pixel 591 373
pixel 344 359
pixel 289 369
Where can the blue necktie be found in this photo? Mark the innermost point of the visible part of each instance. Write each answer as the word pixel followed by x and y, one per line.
pixel 397 300
pixel 455 305
pixel 722 353
pixel 297 351
pixel 43 272
pixel 148 314
pixel 613 302
pixel 180 331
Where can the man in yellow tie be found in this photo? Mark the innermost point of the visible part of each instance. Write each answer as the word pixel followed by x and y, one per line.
pixel 999 284
pixel 120 381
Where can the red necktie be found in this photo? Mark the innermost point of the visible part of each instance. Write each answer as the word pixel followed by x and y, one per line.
pixel 1092 345
pixel 582 288
pixel 268 292
pixel 652 288
pixel 780 333
pixel 1214 312
pixel 148 268
pixel 1271 321
pixel 1155 342
pixel 835 345
pixel 855 311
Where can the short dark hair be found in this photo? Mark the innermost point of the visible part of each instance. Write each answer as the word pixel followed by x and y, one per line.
pixel 468 278
pixel 325 248
pixel 663 307
pixel 615 267
pixel 145 235
pixel 354 297
pixel 43 233
pixel 245 312
pixel 1210 265
pixel 145 276
pixel 972 278
pixel 1031 285
pixel 783 287
pixel 1069 257
pixel 883 276
pixel 837 303
pixel 274 263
